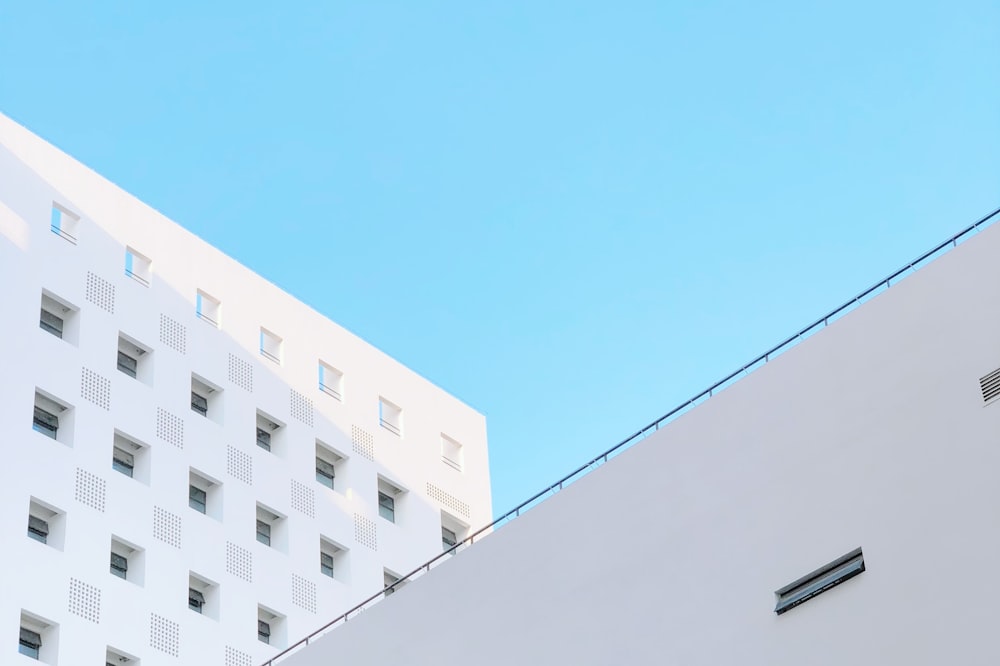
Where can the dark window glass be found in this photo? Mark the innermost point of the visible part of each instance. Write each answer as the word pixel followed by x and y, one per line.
pixel 123 461
pixel 263 439
pixel 38 529
pixel 326 564
pixel 263 533
pixel 51 323
pixel 324 472
pixel 197 498
pixel 45 422
pixel 127 364
pixel 196 600
pixel 30 643
pixel 387 507
pixel 119 565
pixel 199 404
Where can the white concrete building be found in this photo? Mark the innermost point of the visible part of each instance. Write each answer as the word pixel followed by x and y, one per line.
pixel 859 459
pixel 199 468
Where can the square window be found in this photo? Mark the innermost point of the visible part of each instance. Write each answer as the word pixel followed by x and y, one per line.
pixel 390 417
pixel 203 596
pixel 133 359
pixel 196 600
pixel 208 309
pixel 45 422
pixel 270 627
pixel 387 507
pixel 270 346
pixel 45 524
pixel 453 532
pixel 123 461
pixel 331 381
pixel 126 561
pixel 451 453
pixel 58 317
pixel 204 494
pixel 206 398
pixel 115 657
pixel 29 643
pixel 326 564
pixel 269 433
pixel 38 529
pixel 119 565
pixel 327 464
pixel 333 561
pixel 264 631
pixel 448 539
pixel 197 499
pixel 130 457
pixel 264 532
pixel 138 267
pixel 51 417
pixel 391 581
pixel 270 528
pixel 38 638
pixel 64 223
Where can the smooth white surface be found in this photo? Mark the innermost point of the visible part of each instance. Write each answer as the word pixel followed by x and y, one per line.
pixel 873 433
pixel 33 177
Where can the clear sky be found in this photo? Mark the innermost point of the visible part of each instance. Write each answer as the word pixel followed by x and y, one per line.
pixel 571 215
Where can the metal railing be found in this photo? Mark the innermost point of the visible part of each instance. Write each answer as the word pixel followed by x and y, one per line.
pixel 642 433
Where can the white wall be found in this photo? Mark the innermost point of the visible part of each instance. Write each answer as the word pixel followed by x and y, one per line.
pixel 872 434
pixel 37 578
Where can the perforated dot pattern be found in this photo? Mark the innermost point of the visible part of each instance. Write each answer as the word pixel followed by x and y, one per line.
pixel 101 293
pixel 173 334
pixel 241 372
pixel 239 465
pixel 170 427
pixel 302 408
pixel 164 634
pixel 449 501
pixel 95 388
pixel 90 489
pixel 303 499
pixel 235 657
pixel 304 593
pixel 167 526
pixel 364 531
pixel 239 562
pixel 84 600
pixel 362 442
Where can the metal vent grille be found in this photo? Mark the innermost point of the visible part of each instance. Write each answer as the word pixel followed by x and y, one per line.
pixel 302 408
pixel 167 527
pixel 990 385
pixel 304 593
pixel 239 562
pixel 362 442
pixel 448 500
pixel 364 531
pixel 173 334
pixel 239 465
pixel 169 427
pixel 95 388
pixel 164 634
pixel 241 372
pixel 101 293
pixel 90 489
pixel 303 499
pixel 84 600
pixel 236 657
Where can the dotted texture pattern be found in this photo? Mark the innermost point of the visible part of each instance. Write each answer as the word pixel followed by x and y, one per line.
pixel 90 489
pixel 167 527
pixel 101 293
pixel 239 465
pixel 84 600
pixel 362 442
pixel 303 499
pixel 236 657
pixel 164 634
pixel 173 334
pixel 239 562
pixel 449 501
pixel 95 388
pixel 304 593
pixel 365 531
pixel 241 372
pixel 302 408
pixel 170 427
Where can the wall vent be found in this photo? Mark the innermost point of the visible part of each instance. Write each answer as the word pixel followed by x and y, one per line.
pixel 84 600
pixel 239 562
pixel 90 489
pixel 169 427
pixel 448 500
pixel 173 334
pixel 95 388
pixel 302 408
pixel 236 657
pixel 241 372
pixel 304 593
pixel 101 293
pixel 164 634
pixel 303 499
pixel 990 385
pixel 364 531
pixel 167 527
pixel 239 465
pixel 819 581
pixel 362 442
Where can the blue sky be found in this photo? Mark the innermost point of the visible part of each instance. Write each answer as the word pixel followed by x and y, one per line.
pixel 572 215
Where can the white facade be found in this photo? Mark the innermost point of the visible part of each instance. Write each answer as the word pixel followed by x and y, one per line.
pixel 879 432
pixel 122 278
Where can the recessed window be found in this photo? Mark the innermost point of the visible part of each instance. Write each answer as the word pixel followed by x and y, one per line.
pixel 45 524
pixel 332 559
pixel 270 527
pixel 208 309
pixel 126 561
pixel 38 638
pixel 270 627
pixel 204 494
pixel 269 432
pixel 826 577
pixel 29 643
pixel 115 657
pixel 453 531
pixel 388 495
pixel 51 417
pixel 58 317
pixel 138 267
pixel 64 223
pixel 203 595
pixel 391 581
pixel 123 461
pixel 129 457
pixel 206 398
pixel 451 453
pixel 390 417
pixel 270 346
pixel 327 464
pixel 331 381
pixel 132 359
pixel 448 539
